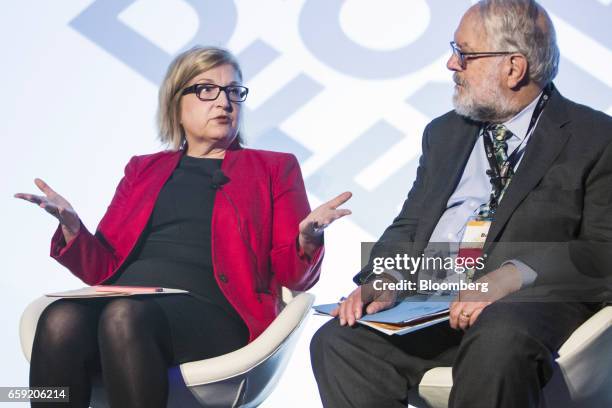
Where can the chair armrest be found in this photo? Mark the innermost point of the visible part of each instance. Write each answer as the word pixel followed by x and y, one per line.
pixel 435 386
pixel 287 295
pixel 585 360
pixel 272 340
pixel 588 332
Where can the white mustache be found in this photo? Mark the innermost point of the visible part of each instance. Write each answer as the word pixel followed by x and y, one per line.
pixel 458 80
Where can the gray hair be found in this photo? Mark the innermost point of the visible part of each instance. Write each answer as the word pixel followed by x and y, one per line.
pixel 525 27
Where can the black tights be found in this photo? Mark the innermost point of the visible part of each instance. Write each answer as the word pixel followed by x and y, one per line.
pixel 127 338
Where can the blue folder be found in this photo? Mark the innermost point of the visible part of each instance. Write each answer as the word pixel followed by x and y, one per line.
pixel 412 310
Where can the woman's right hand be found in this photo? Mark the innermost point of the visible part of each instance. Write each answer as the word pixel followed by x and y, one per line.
pixel 57 206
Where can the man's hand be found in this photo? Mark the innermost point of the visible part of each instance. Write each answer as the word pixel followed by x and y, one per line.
pixel 470 303
pixel 351 309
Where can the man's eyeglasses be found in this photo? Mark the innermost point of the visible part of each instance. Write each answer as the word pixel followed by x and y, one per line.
pixel 462 57
pixel 210 92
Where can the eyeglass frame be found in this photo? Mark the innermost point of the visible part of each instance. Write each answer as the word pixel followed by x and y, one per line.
pixel 461 55
pixel 193 89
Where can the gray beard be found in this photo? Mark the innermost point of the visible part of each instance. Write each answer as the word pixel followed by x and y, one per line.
pixel 495 111
pixel 491 107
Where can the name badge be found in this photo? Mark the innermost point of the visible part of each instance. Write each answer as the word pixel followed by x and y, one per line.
pixel 472 242
pixel 476 232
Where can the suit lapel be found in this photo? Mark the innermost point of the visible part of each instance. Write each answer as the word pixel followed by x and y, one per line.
pixel 546 143
pixel 459 144
pixel 128 226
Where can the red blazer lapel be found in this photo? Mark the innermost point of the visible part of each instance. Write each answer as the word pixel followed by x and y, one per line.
pixel 123 228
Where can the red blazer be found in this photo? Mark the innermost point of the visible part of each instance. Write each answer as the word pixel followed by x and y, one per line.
pixel 251 261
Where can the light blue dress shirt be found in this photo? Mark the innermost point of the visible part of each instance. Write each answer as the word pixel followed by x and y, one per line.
pixel 474 188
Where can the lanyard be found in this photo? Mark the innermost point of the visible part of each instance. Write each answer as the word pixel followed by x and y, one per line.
pixel 498 172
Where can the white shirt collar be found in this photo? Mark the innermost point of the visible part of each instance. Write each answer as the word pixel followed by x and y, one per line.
pixel 519 124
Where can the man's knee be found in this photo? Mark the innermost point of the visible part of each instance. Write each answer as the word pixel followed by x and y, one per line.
pixel 501 342
pixel 323 338
pixel 501 316
pixel 333 339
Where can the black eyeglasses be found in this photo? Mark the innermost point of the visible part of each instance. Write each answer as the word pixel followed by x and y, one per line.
pixel 462 57
pixel 210 92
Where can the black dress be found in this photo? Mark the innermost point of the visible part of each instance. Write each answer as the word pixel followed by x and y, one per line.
pixel 175 251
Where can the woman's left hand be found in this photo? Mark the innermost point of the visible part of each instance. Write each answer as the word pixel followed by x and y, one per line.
pixel 311 227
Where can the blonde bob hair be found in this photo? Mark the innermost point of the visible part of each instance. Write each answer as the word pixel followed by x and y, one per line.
pixel 183 69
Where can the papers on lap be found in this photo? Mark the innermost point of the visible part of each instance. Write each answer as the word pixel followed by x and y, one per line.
pixel 407 316
pixel 110 291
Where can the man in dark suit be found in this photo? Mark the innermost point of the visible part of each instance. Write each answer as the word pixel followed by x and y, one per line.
pixel 538 168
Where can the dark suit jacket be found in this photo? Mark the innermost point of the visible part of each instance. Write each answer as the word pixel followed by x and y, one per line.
pixel 561 192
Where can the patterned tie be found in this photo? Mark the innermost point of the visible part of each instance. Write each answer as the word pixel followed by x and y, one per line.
pixel 499 134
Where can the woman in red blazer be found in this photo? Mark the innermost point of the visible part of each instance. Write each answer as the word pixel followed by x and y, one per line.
pixel 230 225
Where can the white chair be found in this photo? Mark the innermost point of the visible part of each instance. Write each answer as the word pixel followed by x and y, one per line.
pixel 243 378
pixel 582 378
